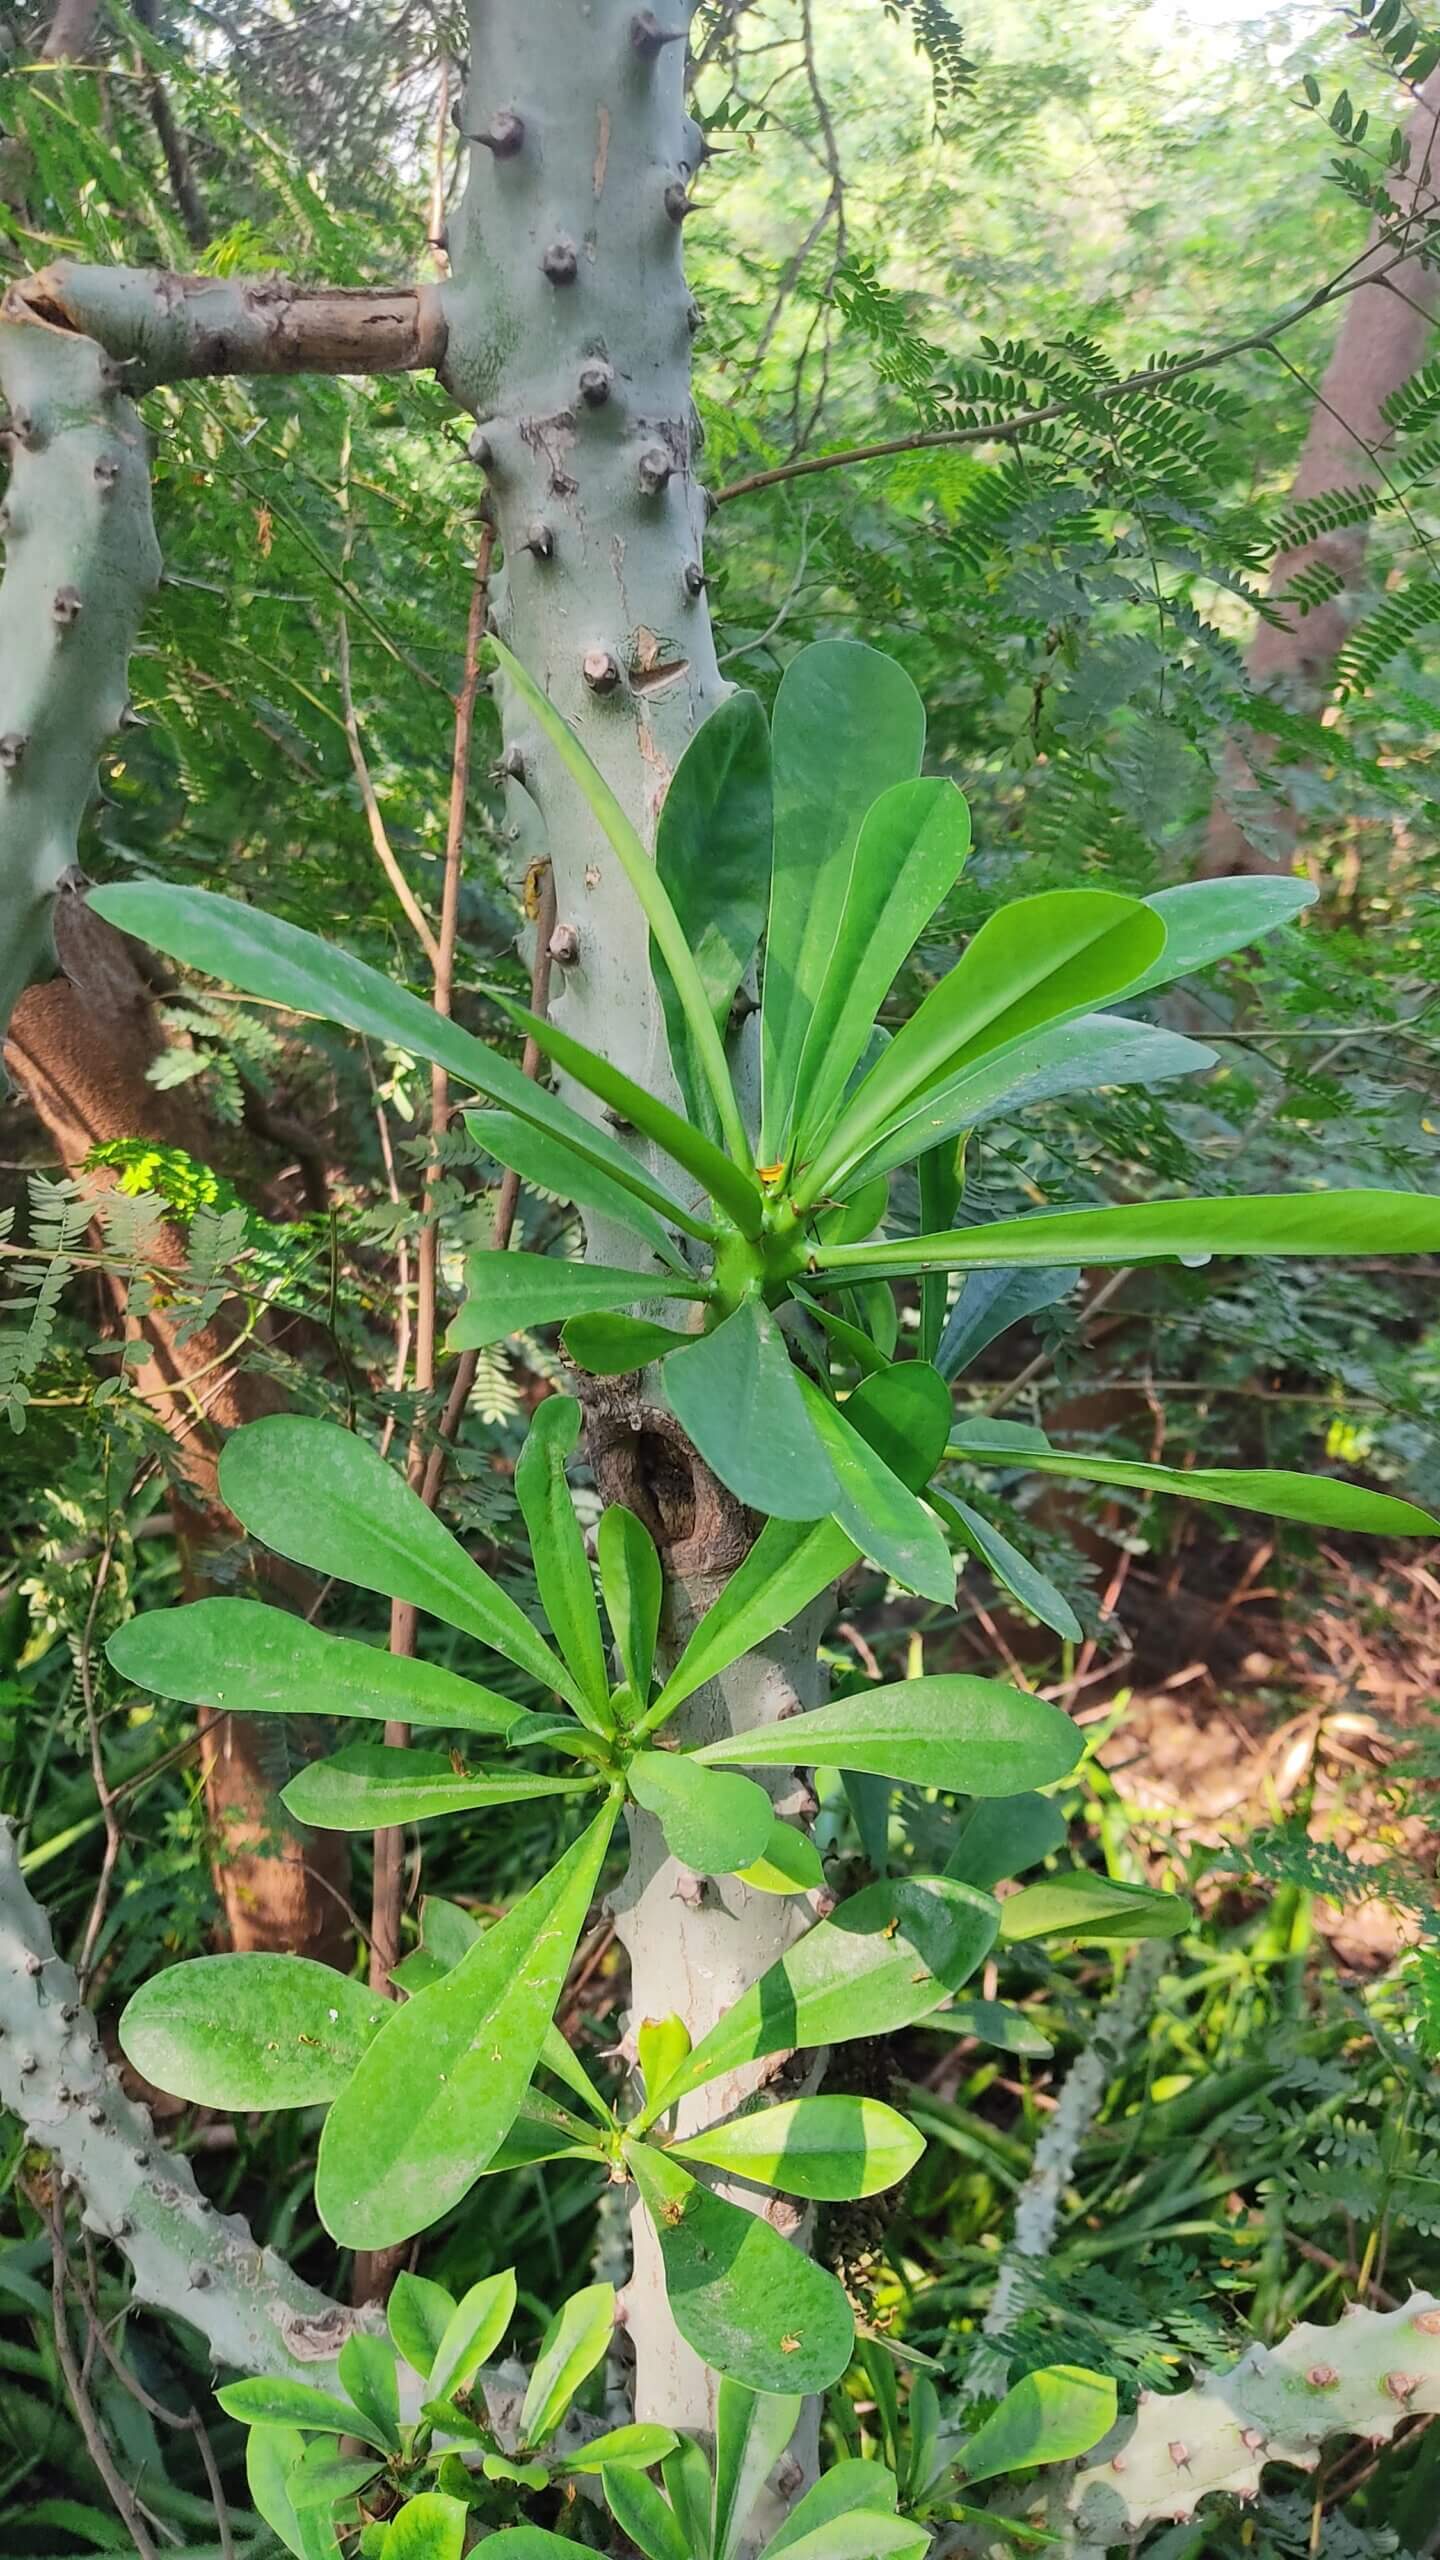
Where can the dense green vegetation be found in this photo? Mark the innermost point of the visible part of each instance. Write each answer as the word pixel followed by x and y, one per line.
pixel 900 231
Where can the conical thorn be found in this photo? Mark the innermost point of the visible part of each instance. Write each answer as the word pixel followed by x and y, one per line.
pixel 504 134
pixel 649 38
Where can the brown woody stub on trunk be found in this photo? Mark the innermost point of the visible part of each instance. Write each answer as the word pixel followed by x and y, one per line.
pixel 165 327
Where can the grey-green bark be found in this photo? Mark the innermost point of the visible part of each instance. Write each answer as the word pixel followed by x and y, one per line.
pixel 570 326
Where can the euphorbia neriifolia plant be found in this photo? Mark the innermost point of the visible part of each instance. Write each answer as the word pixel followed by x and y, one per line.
pixel 806 855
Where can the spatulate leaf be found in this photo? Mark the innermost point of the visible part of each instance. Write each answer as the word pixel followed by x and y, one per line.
pixel 752 2307
pixel 243 2031
pixel 245 1658
pixel 442 2083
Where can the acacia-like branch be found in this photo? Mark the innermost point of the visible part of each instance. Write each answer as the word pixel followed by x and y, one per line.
pixel 164 327
pixel 1156 377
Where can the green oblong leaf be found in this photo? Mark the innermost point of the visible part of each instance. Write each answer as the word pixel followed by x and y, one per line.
pixel 752 2430
pixel 417 2315
pixel 883 1959
pixel 1308 1224
pixel 849 2490
pixel 513 1292
pixel 544 1161
pixel 1003 1835
pixel 988 1303
pixel 611 1346
pixel 243 2031
pixel 736 1394
pixel 1032 962
pixel 712 855
pixel 648 2519
pixel 322 2476
pixel 731 1185
pixel 371 1785
pixel 886 1520
pixel 630 2448
pixel 828 2147
pixel 977 1737
pixel 264 956
pixel 1205 919
pixel 908 854
pixel 326 1499
pixel 847 725
pixel 633 1586
pixel 710 1830
pixel 750 2305
pixel 1324 1502
pixel 788 1863
pixel 644 879
pixel 789 1563
pixel 442 2083
pixel 429 2527
pixel 249 1659
pixel 1053 2415
pixel 273 2400
pixel 366 2367
pixel 1089 1055
pixel 562 1568
pixel 1085 1904
pixel 575 2342
pixel 1013 1571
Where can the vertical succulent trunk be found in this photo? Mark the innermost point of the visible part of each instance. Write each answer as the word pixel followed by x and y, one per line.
pixel 569 333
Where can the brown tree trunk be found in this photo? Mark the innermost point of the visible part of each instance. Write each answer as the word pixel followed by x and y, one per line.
pixel 1382 342
pixel 80 1046
pixel 71 30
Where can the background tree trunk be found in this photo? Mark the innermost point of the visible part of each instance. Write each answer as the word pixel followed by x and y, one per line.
pixel 71 31
pixel 1382 341
pixel 81 1046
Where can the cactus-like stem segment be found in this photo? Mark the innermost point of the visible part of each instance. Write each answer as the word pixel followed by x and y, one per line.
pixel 81 562
pixel 1278 2404
pixel 170 328
pixel 185 2258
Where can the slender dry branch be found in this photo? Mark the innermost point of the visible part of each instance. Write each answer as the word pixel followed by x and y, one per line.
pixel 1025 421
pixel 122 2496
pixel 165 327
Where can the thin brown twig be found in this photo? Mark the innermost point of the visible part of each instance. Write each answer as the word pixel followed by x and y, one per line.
pixel 186 2422
pixel 385 854
pixel 122 2497
pixel 379 834
pixel 389 1845
pixel 106 1801
pixel 1007 430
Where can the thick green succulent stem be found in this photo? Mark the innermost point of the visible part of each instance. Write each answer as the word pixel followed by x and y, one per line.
pixel 1278 2404
pixel 569 328
pixel 81 562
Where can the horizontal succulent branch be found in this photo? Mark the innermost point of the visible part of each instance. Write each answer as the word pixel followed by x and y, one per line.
pixel 1278 2404
pixel 188 2260
pixel 164 327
